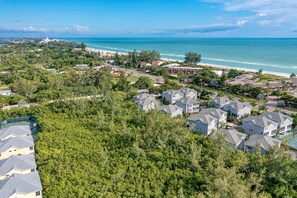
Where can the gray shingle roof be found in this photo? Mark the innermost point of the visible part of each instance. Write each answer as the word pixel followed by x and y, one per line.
pixel 264 142
pixel 237 105
pixel 277 116
pixel 23 162
pixel 261 121
pixel 142 96
pixel 187 101
pixel 204 118
pixel 20 184
pixel 147 101
pixel 169 109
pixel 221 100
pixel 186 91
pixel 173 92
pixel 231 135
pixel 20 130
pixel 16 142
pixel 213 111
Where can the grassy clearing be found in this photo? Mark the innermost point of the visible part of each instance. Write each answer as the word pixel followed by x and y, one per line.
pixel 132 78
pixel 222 92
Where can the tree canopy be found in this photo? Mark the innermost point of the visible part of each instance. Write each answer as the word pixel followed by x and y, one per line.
pixel 192 57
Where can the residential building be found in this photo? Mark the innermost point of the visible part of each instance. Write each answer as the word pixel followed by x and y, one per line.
pixel 143 96
pixel 208 120
pixel 142 91
pixel 16 146
pixel 238 109
pixel 81 66
pixel 232 136
pixel 172 96
pixel 261 125
pixel 217 113
pixel 275 85
pixel 147 104
pixel 14 131
pixel 203 123
pixel 188 105
pixel 284 122
pixel 21 185
pixel 172 110
pixel 6 93
pixel 265 143
pixel 243 79
pixel 189 93
pixel 22 164
pixel 176 70
pixel 220 102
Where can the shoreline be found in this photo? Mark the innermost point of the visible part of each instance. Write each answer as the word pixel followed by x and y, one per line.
pixel 96 50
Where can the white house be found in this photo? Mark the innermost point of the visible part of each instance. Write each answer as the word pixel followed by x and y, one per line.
pixel 143 96
pixel 6 93
pixel 208 120
pixel 189 93
pixel 217 113
pixel 172 96
pixel 203 123
pixel 260 125
pixel 16 146
pixel 238 109
pixel 21 186
pixel 284 122
pixel 232 136
pixel 22 164
pixel 265 143
pixel 172 110
pixel 148 104
pixel 15 131
pixel 220 102
pixel 188 105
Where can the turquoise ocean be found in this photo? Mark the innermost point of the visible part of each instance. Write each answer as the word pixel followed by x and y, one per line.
pixel 273 55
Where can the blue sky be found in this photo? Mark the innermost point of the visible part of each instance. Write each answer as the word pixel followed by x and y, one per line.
pixel 139 18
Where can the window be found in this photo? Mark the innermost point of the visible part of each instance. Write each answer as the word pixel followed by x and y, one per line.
pixel 31 148
pixel 32 170
pixel 37 193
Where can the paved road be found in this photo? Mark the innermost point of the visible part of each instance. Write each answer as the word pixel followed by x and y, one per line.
pixel 51 101
pixel 272 105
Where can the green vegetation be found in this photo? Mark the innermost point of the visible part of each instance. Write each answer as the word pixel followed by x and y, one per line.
pixel 133 59
pixel 289 100
pixel 107 147
pixel 143 83
pixel 24 71
pixel 192 57
pixel 207 78
pixel 234 72
pixel 270 77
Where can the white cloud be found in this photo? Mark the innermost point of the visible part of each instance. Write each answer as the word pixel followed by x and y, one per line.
pixel 72 29
pixel 29 29
pixel 240 23
pixel 264 22
pixel 263 12
pixel 219 27
pixel 80 28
